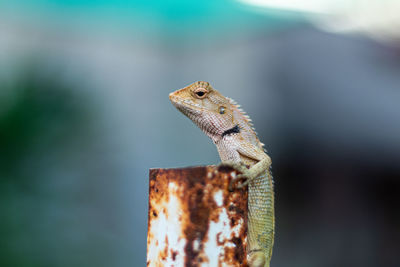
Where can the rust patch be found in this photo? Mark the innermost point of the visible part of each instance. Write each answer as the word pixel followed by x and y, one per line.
pixel 209 222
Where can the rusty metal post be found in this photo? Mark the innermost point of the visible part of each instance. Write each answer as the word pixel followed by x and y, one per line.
pixel 194 220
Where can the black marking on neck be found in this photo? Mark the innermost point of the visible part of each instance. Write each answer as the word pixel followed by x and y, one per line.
pixel 232 130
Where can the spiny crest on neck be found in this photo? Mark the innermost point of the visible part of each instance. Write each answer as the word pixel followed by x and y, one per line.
pixel 244 116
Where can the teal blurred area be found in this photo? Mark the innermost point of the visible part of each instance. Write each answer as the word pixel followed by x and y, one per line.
pixel 84 114
pixel 158 19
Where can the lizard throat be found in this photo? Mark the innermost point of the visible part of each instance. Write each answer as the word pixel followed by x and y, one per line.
pixel 232 130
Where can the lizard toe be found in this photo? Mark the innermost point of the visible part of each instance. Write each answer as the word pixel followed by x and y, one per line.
pixel 236 179
pixel 243 184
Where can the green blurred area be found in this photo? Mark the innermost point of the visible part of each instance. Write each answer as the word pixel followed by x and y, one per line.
pixel 40 114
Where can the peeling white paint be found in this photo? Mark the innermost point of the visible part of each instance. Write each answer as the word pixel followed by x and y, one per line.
pixel 196 245
pixel 220 232
pixel 164 228
pixel 219 198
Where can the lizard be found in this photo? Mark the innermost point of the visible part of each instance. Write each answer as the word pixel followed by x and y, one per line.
pixel 231 130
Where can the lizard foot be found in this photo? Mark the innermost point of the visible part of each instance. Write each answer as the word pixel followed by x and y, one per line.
pixel 244 176
pixel 240 167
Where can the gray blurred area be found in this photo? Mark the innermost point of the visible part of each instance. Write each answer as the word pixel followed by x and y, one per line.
pixel 83 116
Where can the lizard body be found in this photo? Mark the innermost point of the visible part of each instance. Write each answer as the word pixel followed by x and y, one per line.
pixel 238 146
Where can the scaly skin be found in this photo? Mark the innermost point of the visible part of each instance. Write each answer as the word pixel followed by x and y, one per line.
pixel 238 146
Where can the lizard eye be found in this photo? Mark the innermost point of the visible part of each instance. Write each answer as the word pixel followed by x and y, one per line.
pixel 200 92
pixel 221 110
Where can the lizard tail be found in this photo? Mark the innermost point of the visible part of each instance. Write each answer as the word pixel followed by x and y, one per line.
pixel 258 259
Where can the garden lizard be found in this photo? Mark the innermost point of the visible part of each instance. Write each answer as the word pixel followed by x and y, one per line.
pixel 237 143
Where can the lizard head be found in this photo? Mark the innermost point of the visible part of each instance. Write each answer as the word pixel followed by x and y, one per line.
pixel 206 107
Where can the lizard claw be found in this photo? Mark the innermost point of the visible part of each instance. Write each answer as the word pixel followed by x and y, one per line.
pixel 246 182
pixel 236 179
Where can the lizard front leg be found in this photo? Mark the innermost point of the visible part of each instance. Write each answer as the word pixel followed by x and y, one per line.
pixel 256 154
pixel 252 173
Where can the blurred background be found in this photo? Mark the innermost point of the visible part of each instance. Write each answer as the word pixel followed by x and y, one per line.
pixel 84 114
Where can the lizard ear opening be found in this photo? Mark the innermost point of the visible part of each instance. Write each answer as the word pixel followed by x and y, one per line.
pixel 200 92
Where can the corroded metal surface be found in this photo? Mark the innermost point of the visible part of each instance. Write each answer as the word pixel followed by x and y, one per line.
pixel 194 221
